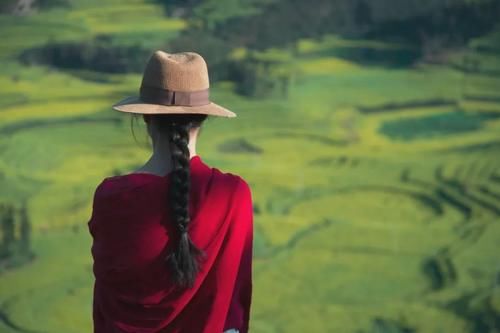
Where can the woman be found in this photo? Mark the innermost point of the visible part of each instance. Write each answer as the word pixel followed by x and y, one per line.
pixel 172 241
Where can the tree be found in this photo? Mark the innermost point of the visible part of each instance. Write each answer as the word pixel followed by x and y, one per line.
pixel 8 237
pixel 25 238
pixel 362 14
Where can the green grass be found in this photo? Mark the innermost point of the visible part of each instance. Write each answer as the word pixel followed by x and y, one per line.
pixel 347 215
pixel 436 125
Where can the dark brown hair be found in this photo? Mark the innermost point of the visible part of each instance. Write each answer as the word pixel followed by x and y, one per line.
pixel 184 259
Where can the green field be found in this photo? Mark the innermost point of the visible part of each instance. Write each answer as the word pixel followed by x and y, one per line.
pixel 376 189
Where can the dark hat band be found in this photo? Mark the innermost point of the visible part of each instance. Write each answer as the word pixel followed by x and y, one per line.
pixel 169 97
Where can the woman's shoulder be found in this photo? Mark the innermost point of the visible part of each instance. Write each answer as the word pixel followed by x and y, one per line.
pixel 243 187
pixel 241 192
pixel 119 184
pixel 216 178
pixel 239 184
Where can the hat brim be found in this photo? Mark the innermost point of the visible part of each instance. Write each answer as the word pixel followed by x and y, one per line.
pixel 134 104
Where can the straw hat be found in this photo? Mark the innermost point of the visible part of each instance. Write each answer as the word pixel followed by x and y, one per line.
pixel 174 83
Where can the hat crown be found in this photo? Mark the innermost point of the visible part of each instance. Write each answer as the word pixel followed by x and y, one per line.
pixel 174 83
pixel 184 71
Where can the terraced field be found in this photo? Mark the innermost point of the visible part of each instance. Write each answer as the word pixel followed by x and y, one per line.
pixel 376 189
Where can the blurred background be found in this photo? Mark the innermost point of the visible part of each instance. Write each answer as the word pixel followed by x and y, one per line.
pixel 369 131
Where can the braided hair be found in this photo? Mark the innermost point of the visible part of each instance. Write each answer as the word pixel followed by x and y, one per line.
pixel 184 259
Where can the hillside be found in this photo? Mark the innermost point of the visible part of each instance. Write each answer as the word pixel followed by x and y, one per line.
pixel 374 163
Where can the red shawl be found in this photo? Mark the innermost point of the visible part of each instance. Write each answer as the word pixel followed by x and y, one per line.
pixel 131 228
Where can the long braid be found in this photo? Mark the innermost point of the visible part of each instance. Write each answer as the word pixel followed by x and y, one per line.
pixel 183 260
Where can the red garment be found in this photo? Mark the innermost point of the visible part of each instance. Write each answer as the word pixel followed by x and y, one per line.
pixel 131 229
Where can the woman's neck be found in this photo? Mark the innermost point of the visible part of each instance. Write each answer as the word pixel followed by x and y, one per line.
pixel 160 162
